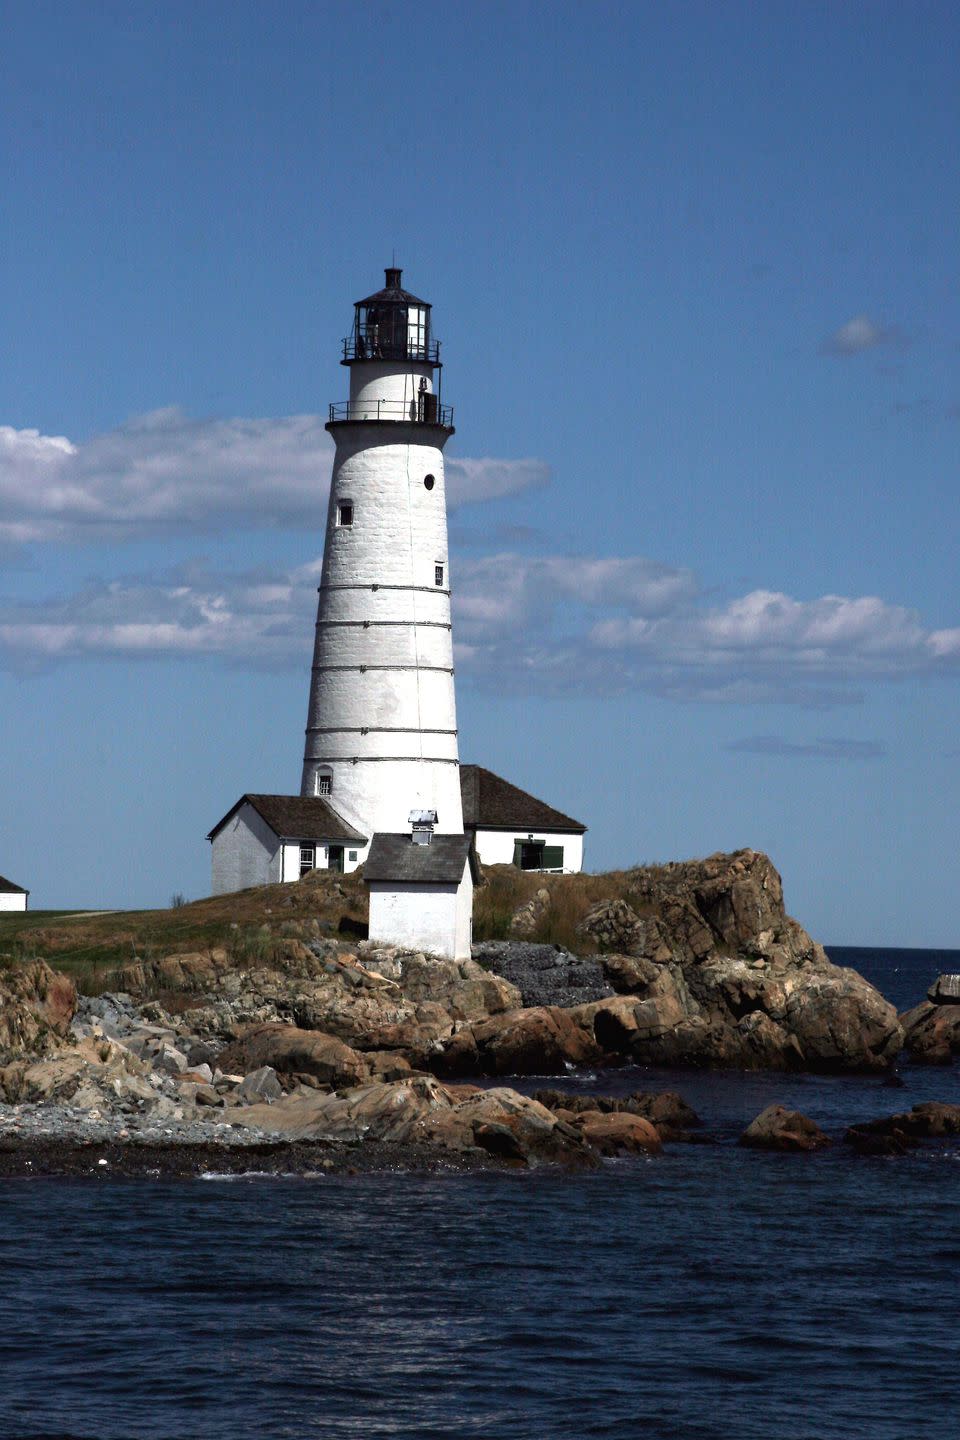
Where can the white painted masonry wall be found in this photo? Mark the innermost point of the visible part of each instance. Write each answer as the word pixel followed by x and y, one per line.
pixel 433 918
pixel 14 901
pixel 495 847
pixel 382 714
pixel 290 859
pixel 245 852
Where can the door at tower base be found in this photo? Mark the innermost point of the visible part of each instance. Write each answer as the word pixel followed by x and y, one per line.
pixel 421 895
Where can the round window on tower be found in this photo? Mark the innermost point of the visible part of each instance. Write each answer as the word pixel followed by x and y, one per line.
pixel 428 482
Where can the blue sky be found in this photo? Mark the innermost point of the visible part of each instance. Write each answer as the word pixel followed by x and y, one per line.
pixel 694 271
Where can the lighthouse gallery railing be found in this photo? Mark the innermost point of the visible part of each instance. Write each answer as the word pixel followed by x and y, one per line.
pixel 421 410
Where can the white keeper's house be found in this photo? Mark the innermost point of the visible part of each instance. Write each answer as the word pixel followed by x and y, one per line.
pixel 381 777
pixel 12 897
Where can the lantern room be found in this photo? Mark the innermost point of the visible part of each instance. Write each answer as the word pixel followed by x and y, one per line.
pixel 391 325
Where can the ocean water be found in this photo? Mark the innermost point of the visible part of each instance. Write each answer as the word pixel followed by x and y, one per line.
pixel 711 1293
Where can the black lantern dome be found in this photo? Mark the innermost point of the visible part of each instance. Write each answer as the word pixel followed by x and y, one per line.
pixel 391 325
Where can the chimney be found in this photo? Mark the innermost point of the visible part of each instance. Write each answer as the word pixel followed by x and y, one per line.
pixel 422 823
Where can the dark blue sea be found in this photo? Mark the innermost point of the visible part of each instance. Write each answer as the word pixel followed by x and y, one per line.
pixel 709 1294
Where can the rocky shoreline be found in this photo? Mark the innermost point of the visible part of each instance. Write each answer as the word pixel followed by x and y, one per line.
pixel 307 1053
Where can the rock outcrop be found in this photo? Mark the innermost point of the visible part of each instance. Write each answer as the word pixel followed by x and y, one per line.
pixel 500 1122
pixel 718 975
pixel 295 1053
pixel 777 1128
pixel 932 1028
pixel 895 1134
pixel 36 1007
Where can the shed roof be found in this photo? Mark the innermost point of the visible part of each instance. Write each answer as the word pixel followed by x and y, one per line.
pixel 491 802
pixel 395 857
pixel 7 887
pixel 296 817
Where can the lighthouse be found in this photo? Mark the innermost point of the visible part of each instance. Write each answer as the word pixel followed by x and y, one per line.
pixel 381 784
pixel 381 736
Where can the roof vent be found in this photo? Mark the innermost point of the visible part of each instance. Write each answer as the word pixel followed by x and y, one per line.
pixel 393 278
pixel 422 823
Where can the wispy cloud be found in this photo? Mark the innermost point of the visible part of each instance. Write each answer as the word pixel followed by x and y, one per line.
pixel 859 334
pixel 823 748
pixel 165 472
pixel 586 625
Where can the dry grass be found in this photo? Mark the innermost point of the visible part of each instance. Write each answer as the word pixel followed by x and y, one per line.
pixel 92 948
pixel 248 924
pixel 571 897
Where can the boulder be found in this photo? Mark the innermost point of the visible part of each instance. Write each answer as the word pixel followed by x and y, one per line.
pixel 777 1128
pixel 613 925
pixel 619 1133
pixel 290 1050
pixel 945 990
pixel 539 1041
pixel 260 1085
pixel 630 974
pixel 932 1032
pixel 525 920
pixel 667 1111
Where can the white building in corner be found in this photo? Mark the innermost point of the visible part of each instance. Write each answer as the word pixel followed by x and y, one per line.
pixel 12 897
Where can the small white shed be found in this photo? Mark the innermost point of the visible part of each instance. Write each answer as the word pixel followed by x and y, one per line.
pixel 12 897
pixel 421 895
pixel 266 839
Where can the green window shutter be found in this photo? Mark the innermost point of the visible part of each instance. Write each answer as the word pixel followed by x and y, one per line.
pixel 553 857
pixel 517 847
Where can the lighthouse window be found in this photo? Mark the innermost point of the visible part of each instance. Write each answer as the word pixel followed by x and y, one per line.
pixel 438 574
pixel 324 784
pixel 345 512
pixel 428 482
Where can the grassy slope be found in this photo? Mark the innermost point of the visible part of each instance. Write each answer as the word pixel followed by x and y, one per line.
pixel 90 946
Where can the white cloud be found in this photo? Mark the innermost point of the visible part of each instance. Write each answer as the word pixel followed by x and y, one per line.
pixel 825 747
pixel 860 333
pixel 523 624
pixel 164 472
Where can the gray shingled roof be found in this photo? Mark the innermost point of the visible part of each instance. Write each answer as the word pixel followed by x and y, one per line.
pixel 296 817
pixel 395 857
pixel 7 887
pixel 490 802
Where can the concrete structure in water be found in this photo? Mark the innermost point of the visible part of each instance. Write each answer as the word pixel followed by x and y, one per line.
pixel 381 737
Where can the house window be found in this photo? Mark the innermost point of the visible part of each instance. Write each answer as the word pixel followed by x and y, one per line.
pixel 345 512
pixel 438 574
pixel 324 784
pixel 428 482
pixel 351 854
pixel 308 859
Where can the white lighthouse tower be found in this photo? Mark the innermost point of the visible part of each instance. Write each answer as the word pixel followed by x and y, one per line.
pixel 381 739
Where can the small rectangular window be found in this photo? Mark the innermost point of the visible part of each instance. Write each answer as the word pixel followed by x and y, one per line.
pixel 438 574
pixel 345 512
pixel 324 784
pixel 351 854
pixel 308 857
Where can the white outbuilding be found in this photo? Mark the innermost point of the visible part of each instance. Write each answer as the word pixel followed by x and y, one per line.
pixel 12 897
pixel 510 827
pixel 266 839
pixel 421 894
